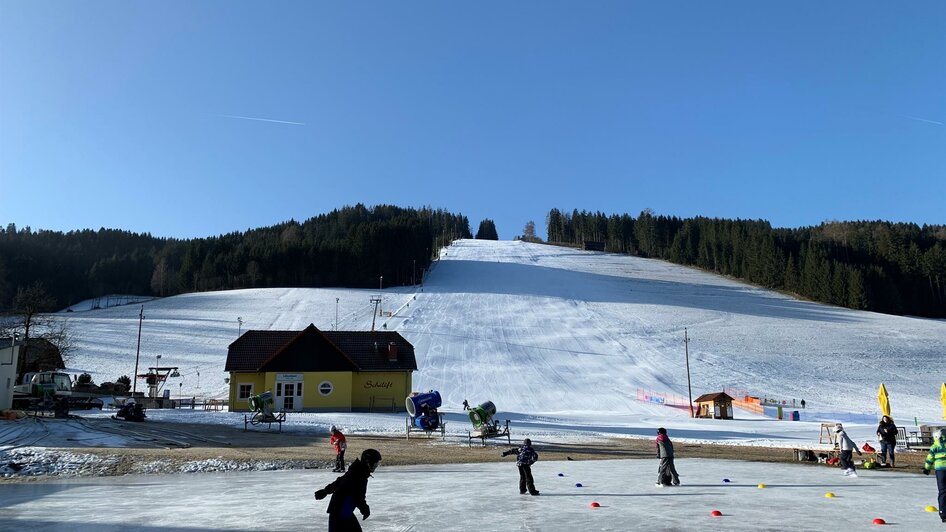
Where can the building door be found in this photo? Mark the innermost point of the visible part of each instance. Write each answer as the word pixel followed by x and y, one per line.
pixel 288 395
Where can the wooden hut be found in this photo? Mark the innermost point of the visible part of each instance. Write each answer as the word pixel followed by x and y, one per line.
pixel 714 405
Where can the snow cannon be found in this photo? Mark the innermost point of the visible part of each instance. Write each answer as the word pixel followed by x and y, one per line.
pixel 422 410
pixel 481 415
pixel 418 405
pixel 262 402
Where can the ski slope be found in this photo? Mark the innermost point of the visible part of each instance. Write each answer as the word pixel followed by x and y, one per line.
pixel 558 334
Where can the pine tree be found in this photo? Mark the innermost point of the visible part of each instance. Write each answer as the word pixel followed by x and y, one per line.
pixel 487 230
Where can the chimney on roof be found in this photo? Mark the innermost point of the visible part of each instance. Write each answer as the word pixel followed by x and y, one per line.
pixel 392 352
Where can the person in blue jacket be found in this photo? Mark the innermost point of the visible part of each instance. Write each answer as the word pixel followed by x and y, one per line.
pixel 525 457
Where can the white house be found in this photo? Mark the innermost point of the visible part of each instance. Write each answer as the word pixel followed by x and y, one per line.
pixel 9 354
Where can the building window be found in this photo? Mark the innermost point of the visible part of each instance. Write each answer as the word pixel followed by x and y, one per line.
pixel 326 388
pixel 278 388
pixel 245 391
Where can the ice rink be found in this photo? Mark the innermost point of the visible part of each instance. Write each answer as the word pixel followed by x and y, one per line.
pixel 485 497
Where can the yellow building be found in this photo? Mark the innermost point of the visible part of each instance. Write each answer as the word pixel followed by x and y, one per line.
pixel 322 371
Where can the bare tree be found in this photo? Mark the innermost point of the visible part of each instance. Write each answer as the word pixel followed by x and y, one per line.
pixel 160 278
pixel 528 232
pixel 58 332
pixel 29 307
pixel 253 271
pixel 29 304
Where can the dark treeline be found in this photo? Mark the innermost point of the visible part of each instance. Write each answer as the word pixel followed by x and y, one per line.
pixel 349 247
pixel 896 268
pixel 487 230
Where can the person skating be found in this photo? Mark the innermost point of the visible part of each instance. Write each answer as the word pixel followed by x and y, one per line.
pixel 666 471
pixel 936 460
pixel 887 435
pixel 525 457
pixel 348 492
pixel 847 447
pixel 338 441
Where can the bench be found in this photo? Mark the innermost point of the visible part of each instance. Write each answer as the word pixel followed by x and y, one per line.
pixel 258 418
pixel 918 440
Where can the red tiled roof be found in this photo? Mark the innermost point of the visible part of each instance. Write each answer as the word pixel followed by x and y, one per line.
pixel 369 349
pixel 249 351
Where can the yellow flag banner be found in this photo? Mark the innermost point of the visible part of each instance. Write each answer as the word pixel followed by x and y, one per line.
pixel 942 398
pixel 884 400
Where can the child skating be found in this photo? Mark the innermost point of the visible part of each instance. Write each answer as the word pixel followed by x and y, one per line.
pixel 338 442
pixel 525 457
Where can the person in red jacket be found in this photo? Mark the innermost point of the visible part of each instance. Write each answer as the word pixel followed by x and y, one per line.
pixel 338 441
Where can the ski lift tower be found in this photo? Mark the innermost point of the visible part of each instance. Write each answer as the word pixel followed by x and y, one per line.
pixel 157 377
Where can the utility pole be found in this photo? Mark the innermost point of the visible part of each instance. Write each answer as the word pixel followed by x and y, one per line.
pixel 134 378
pixel 686 348
pixel 380 288
pixel 239 326
pixel 336 313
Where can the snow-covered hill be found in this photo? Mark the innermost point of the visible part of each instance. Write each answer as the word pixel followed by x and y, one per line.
pixel 548 331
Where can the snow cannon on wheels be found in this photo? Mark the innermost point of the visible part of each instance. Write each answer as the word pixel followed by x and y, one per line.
pixel 422 415
pixel 262 405
pixel 484 426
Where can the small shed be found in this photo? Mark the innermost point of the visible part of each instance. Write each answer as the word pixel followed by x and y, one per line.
pixel 714 405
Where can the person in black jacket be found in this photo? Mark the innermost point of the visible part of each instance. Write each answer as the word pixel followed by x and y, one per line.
pixel 887 434
pixel 348 492
pixel 525 457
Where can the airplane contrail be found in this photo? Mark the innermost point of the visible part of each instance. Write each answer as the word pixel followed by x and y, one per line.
pixel 264 120
pixel 918 119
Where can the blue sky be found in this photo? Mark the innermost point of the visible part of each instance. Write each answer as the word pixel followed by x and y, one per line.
pixel 123 114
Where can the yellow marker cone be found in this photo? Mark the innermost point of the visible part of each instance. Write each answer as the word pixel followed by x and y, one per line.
pixel 829 495
pixel 761 486
pixel 930 509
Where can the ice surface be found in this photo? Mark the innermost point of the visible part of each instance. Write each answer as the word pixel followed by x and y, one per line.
pixel 486 497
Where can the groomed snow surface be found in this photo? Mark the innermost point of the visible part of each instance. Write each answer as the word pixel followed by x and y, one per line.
pixel 484 497
pixel 543 330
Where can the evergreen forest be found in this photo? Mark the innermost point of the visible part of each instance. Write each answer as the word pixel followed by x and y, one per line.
pixel 351 247
pixel 895 268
